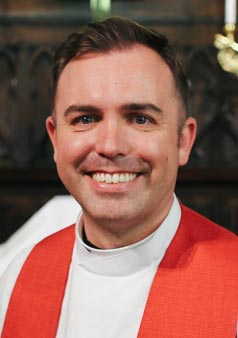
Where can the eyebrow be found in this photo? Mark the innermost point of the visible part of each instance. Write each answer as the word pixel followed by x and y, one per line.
pixel 124 108
pixel 81 109
pixel 141 107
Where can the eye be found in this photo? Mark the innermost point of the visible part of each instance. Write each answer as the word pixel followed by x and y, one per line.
pixel 85 119
pixel 141 119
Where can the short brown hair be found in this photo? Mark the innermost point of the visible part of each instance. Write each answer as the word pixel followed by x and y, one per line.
pixel 117 33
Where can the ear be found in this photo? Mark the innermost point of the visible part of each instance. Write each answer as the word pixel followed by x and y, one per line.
pixel 51 129
pixel 186 140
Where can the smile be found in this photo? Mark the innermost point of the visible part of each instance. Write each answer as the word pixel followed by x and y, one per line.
pixel 114 178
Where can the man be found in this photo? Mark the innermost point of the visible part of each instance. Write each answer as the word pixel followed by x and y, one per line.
pixel 143 265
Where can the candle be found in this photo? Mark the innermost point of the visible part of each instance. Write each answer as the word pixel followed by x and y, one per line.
pixel 230 11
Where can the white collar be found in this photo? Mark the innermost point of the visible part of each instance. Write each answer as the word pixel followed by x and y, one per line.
pixel 133 258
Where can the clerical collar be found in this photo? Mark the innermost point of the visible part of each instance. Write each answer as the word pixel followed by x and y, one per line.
pixel 129 259
pixel 86 241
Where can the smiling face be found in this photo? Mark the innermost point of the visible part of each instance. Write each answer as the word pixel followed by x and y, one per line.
pixel 116 141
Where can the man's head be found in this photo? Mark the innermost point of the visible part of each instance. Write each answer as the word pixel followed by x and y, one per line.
pixel 119 129
pixel 118 34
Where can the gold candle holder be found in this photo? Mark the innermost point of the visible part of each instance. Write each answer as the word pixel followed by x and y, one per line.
pixel 228 49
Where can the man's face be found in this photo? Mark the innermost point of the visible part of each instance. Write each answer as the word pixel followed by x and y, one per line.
pixel 116 141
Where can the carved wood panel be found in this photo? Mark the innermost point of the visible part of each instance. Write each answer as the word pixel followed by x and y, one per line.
pixel 26 101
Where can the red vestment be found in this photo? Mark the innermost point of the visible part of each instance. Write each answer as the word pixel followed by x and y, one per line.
pixel 194 292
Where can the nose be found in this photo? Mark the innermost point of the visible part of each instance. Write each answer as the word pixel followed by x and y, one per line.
pixel 112 140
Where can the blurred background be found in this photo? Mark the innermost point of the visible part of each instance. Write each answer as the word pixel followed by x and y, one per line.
pixel 30 30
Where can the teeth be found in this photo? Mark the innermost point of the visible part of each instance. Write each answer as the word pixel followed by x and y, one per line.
pixel 115 178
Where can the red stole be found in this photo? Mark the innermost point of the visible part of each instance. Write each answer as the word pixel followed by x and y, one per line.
pixel 194 292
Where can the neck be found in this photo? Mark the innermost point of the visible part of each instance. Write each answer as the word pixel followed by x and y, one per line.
pixel 112 234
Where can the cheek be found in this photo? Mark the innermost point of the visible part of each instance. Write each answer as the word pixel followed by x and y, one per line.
pixel 152 147
pixel 70 148
pixel 161 152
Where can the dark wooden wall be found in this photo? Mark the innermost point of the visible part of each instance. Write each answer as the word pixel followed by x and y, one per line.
pixel 29 33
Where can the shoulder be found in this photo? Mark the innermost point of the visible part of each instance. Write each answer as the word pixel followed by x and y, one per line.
pixel 210 235
pixel 210 228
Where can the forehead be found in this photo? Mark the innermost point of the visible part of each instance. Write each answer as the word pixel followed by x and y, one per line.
pixel 129 74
